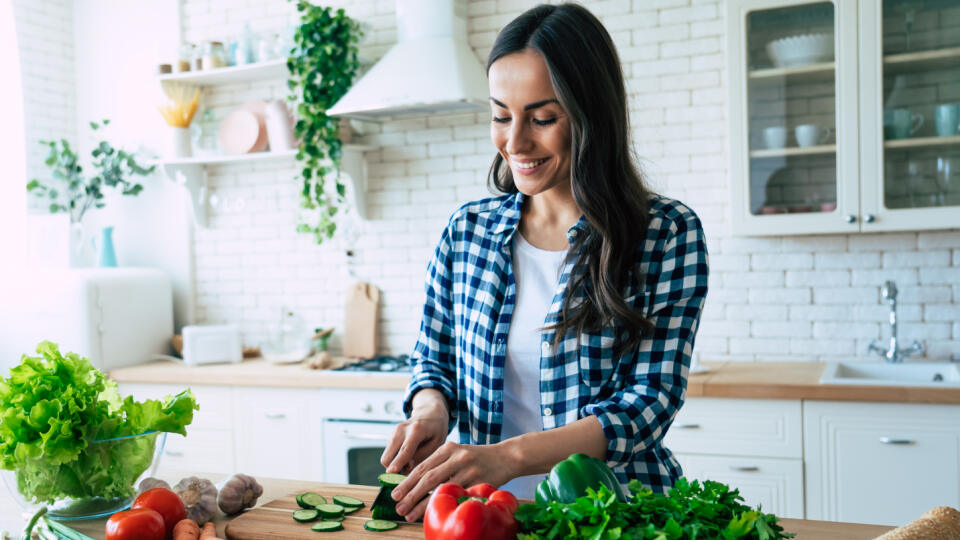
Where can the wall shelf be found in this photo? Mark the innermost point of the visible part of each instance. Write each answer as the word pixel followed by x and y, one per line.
pixel 191 173
pixel 271 69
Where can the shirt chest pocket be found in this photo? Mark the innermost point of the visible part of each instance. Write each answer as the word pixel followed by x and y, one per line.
pixel 597 366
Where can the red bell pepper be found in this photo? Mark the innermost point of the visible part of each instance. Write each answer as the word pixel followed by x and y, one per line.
pixel 479 512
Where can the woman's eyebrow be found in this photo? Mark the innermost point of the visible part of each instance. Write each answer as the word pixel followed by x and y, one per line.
pixel 528 106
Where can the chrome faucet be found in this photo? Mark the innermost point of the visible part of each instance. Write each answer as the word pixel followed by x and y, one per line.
pixel 893 353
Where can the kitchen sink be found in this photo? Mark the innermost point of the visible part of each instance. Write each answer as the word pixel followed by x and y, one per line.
pixel 928 374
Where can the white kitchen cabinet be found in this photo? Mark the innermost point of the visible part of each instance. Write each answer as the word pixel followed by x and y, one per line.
pixel 273 432
pixel 737 427
pixel 774 484
pixel 884 463
pixel 816 88
pixel 754 445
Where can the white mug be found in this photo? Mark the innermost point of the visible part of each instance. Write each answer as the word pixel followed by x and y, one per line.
pixel 775 137
pixel 811 134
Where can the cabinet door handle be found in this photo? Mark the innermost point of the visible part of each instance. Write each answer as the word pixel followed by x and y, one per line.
pixel 850 218
pixel 363 436
pixel 275 415
pixel 891 440
pixel 869 218
pixel 687 426
pixel 173 453
pixel 744 468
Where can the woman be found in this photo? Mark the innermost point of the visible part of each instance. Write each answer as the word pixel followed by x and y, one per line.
pixel 559 317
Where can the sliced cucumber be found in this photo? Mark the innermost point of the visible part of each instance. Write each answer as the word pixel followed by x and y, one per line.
pixel 347 510
pixel 310 499
pixel 347 501
pixel 341 518
pixel 327 526
pixel 380 525
pixel 391 479
pixel 304 515
pixel 330 510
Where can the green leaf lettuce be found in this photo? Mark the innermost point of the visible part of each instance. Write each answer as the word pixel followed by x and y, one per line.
pixel 56 413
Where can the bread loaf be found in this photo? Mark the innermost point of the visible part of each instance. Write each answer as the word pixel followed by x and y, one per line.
pixel 940 523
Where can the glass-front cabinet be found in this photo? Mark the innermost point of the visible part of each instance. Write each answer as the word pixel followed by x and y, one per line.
pixel 844 115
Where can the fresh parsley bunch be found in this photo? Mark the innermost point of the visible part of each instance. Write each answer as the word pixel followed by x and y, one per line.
pixel 689 511
pixel 52 409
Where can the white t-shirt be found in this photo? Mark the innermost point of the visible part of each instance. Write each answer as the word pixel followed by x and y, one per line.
pixel 537 275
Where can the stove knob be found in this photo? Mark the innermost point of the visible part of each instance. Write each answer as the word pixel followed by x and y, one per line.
pixel 368 408
pixel 390 407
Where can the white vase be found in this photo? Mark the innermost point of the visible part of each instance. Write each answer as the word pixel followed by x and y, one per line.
pixel 279 126
pixel 79 250
pixel 179 145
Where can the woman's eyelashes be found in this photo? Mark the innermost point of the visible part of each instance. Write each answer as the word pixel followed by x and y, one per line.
pixel 505 119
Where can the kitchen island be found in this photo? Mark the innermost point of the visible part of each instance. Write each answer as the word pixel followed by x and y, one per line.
pixel 277 503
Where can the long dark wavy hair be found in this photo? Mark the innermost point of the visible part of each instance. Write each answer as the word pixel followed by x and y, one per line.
pixel 607 186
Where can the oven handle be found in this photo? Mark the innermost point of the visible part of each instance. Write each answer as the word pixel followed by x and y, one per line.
pixel 364 436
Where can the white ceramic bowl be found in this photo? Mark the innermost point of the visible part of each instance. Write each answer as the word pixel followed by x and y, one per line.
pixel 801 50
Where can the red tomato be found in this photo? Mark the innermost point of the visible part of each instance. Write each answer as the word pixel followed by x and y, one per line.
pixel 139 524
pixel 164 502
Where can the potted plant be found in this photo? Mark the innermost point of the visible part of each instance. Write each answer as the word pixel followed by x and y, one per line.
pixel 322 65
pixel 74 192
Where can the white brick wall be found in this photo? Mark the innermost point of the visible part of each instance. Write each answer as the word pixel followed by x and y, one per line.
pixel 771 299
pixel 45 39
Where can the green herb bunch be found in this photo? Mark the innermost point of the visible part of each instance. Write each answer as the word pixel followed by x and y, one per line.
pixel 322 68
pixel 55 407
pixel 76 193
pixel 690 511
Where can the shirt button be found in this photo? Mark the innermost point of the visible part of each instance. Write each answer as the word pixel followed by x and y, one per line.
pixel 547 411
pixel 572 235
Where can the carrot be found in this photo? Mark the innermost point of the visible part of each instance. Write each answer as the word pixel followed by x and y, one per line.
pixel 209 532
pixel 186 529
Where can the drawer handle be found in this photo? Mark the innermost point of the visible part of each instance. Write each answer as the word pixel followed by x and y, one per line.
pixel 744 468
pixel 363 436
pixel 687 426
pixel 891 440
pixel 275 415
pixel 173 453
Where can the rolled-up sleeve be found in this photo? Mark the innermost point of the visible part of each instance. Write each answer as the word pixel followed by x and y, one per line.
pixel 434 356
pixel 635 418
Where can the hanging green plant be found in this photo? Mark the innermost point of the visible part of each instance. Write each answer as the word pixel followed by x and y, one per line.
pixel 322 65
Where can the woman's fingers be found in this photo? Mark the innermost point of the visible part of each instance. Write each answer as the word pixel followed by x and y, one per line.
pixel 417 511
pixel 432 472
pixel 399 435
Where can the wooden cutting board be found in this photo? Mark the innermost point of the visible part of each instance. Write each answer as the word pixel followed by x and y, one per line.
pixel 360 321
pixel 274 520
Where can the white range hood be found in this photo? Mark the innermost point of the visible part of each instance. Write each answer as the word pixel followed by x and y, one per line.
pixel 431 69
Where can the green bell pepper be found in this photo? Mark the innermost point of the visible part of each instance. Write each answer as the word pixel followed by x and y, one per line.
pixel 571 477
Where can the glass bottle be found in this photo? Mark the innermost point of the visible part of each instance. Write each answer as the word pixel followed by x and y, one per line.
pixel 184 57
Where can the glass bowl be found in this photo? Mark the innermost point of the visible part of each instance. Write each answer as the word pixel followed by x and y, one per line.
pixel 116 464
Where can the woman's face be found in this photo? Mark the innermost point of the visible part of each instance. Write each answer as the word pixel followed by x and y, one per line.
pixel 529 128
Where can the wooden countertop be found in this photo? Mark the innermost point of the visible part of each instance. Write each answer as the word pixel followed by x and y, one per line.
pixel 758 380
pixel 10 515
pixel 258 372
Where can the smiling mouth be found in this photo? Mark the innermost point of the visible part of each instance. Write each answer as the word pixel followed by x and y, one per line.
pixel 529 164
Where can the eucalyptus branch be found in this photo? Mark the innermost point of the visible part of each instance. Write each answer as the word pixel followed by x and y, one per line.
pixel 77 194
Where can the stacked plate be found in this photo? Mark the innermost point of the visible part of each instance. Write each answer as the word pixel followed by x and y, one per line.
pixel 801 50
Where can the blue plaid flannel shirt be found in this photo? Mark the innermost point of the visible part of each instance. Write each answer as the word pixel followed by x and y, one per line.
pixel 470 297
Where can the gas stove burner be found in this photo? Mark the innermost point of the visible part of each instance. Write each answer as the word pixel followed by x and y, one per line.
pixel 383 363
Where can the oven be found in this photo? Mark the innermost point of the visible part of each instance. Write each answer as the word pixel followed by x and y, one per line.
pixel 360 423
pixel 353 449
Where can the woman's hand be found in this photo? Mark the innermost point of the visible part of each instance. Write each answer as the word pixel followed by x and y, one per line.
pixel 462 464
pixel 416 438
